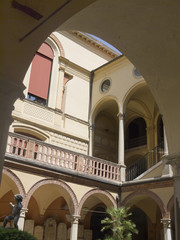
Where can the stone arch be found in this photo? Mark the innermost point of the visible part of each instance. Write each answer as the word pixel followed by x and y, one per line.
pixel 95 109
pixel 91 193
pixel 16 180
pixel 73 207
pixel 24 128
pixel 61 49
pixel 149 194
pixel 170 203
pixel 131 91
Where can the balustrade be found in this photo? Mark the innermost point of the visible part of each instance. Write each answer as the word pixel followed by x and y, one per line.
pixel 29 148
pixel 144 163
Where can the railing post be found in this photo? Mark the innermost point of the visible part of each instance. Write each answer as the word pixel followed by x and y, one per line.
pixel 30 149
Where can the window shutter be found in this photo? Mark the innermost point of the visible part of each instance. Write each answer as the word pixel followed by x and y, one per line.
pixel 40 72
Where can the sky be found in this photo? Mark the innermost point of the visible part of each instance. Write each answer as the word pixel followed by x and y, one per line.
pixel 105 43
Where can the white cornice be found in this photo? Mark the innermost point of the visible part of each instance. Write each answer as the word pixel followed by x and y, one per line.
pixel 92 44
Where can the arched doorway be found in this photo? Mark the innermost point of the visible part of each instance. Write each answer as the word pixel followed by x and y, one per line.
pixel 136 133
pixel 140 219
pixel 147 211
pixel 105 141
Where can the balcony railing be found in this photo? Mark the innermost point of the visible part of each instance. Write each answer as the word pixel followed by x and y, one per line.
pixel 38 151
pixel 144 163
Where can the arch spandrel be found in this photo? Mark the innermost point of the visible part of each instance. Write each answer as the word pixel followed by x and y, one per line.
pixel 102 197
pixel 15 182
pixel 131 199
pixel 61 189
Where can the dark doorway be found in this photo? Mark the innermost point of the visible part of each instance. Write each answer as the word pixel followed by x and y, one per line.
pixel 140 219
pixel 97 216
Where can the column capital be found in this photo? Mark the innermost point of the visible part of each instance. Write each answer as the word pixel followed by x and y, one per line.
pixel 73 218
pixel 23 212
pixel 174 161
pixel 91 127
pixel 121 116
pixel 166 222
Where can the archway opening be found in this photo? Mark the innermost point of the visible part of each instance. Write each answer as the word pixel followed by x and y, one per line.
pixel 105 144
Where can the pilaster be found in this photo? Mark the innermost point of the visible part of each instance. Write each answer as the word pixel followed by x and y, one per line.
pixel 59 94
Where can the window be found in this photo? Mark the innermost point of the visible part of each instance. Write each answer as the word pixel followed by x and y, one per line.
pixel 40 75
pixel 105 85
pixel 137 73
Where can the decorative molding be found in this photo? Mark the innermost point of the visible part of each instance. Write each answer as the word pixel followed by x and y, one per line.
pixel 95 44
pixel 136 186
pixel 150 194
pixel 74 69
pixel 61 49
pixel 16 180
pixel 93 192
pixel 73 203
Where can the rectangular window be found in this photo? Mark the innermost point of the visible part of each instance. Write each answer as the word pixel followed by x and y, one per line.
pixel 40 77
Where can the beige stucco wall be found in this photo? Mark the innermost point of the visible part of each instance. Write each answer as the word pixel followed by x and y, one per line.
pixel 122 80
pixel 79 54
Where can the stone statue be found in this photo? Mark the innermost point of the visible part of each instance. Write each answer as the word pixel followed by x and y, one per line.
pixel 15 211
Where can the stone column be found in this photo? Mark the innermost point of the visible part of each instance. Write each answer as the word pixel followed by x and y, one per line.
pixel 165 142
pixel 121 146
pixel 21 220
pixel 74 227
pixel 91 135
pixel 9 92
pixel 167 228
pixel 60 87
pixel 174 161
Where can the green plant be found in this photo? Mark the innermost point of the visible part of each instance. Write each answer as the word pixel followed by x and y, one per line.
pixel 15 234
pixel 119 223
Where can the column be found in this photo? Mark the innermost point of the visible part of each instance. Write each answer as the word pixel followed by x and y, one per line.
pixel 9 92
pixel 165 142
pixel 60 87
pixel 74 227
pixel 22 219
pixel 121 146
pixel 167 228
pixel 91 134
pixel 174 161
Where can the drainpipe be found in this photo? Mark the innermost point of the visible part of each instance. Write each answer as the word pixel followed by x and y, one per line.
pixel 89 114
